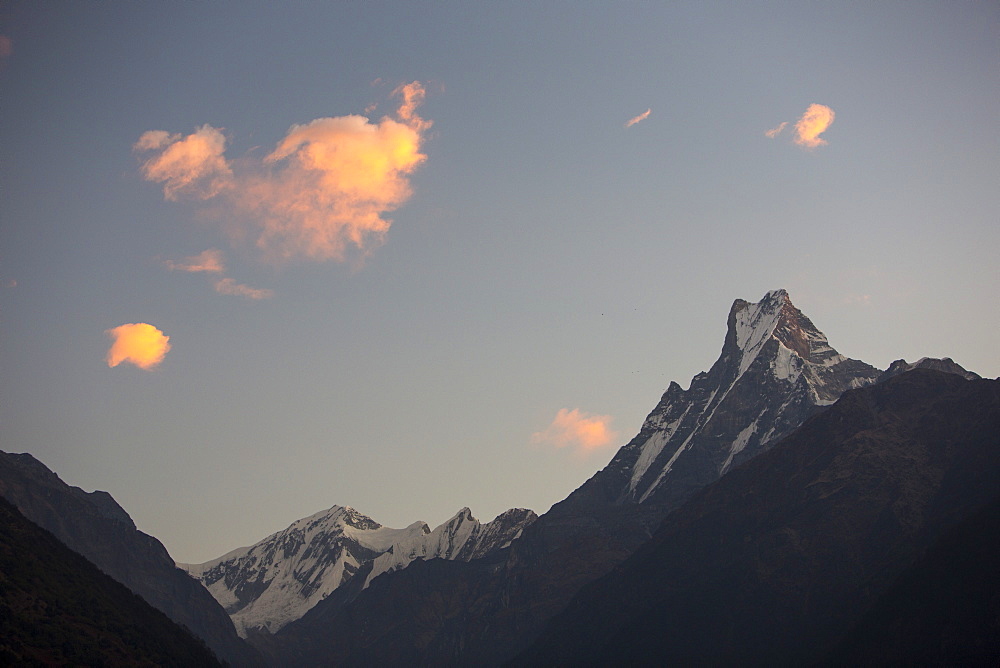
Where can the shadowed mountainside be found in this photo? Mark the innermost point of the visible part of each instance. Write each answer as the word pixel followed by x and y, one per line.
pixel 57 608
pixel 94 525
pixel 777 561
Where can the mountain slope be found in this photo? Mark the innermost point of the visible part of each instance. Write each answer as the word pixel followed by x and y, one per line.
pixel 267 585
pixel 777 560
pixel 942 610
pixel 57 608
pixel 94 525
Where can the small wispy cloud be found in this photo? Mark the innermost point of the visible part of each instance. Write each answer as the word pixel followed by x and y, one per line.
pixel 209 261
pixel 137 343
pixel 775 131
pixel 228 286
pixel 641 117
pixel 582 431
pixel 814 122
pixel 322 192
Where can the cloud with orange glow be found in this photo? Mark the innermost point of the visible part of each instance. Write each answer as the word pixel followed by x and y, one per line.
pixel 582 431
pixel 775 131
pixel 814 122
pixel 137 343
pixel 641 117
pixel 211 262
pixel 191 166
pixel 322 193
pixel 208 261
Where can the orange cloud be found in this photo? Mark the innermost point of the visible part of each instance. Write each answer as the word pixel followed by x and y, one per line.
pixel 323 191
pixel 413 95
pixel 6 47
pixel 137 343
pixel 192 166
pixel 774 132
pixel 641 117
pixel 580 430
pixel 813 123
pixel 209 261
pixel 228 286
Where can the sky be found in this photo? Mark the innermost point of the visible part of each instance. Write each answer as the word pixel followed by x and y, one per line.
pixel 258 259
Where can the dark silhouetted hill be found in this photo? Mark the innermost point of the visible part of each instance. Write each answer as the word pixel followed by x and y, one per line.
pixel 94 525
pixel 57 608
pixel 777 562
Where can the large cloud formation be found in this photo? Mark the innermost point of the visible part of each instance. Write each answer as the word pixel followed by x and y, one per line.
pixel 137 343
pixel 322 192
pixel 582 431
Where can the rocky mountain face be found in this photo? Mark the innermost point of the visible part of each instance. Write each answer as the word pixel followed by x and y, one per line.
pixel 776 369
pixel 267 585
pixel 779 560
pixel 57 608
pixel 95 526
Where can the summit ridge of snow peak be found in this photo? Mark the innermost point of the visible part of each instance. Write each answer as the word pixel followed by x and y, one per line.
pixel 776 369
pixel 265 586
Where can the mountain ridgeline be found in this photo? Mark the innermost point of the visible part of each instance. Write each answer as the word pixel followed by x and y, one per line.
pixel 269 584
pixel 778 510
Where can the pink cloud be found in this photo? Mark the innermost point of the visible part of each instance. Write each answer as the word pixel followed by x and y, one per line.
pixel 775 131
pixel 582 431
pixel 641 117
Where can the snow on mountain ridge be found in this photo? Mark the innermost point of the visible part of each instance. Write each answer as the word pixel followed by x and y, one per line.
pixel 267 585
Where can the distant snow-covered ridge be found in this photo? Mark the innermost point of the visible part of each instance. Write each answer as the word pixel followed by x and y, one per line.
pixel 267 585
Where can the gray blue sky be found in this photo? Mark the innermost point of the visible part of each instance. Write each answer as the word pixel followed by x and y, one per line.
pixel 433 247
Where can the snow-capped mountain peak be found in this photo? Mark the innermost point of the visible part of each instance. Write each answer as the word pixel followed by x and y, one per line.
pixel 775 369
